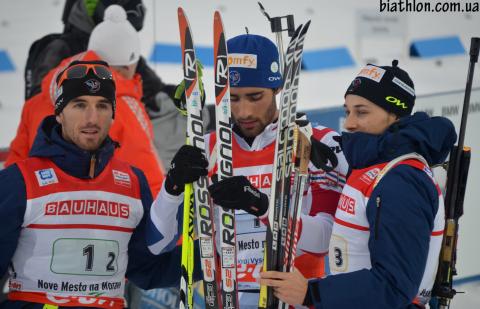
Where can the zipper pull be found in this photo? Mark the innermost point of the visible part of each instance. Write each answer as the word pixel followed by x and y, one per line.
pixel 377 217
pixel 91 172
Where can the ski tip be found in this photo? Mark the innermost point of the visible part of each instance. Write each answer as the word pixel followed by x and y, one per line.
pixel 180 11
pixel 297 31
pixel 307 24
pixel 217 24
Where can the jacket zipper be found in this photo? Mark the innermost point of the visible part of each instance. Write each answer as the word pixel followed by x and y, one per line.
pixel 91 172
pixel 377 217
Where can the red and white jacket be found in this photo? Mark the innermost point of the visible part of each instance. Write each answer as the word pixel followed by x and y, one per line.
pixel 319 203
pixel 73 246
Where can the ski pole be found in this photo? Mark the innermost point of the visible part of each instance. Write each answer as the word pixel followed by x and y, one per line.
pixel 277 28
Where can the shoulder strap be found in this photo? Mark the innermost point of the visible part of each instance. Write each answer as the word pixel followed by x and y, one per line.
pixel 394 162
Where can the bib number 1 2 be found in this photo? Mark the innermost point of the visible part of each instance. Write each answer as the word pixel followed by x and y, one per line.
pixel 81 256
pixel 88 251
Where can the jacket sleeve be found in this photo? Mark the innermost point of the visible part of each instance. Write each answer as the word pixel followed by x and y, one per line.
pixel 163 223
pixel 145 269
pixel 320 202
pixel 400 230
pixel 13 200
pixel 34 111
pixel 19 147
pixel 152 83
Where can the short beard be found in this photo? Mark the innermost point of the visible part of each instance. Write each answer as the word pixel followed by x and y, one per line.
pixel 271 116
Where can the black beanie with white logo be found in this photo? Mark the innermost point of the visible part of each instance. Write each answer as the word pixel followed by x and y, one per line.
pixel 89 85
pixel 389 87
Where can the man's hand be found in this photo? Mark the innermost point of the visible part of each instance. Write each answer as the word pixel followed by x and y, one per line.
pixel 291 288
pixel 238 193
pixel 321 155
pixel 187 166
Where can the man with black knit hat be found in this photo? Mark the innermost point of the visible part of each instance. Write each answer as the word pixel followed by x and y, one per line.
pixel 73 217
pixel 389 221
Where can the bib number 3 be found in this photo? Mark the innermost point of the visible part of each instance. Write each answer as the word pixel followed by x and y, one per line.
pixel 338 258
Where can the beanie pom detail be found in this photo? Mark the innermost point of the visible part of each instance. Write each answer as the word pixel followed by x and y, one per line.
pixel 115 13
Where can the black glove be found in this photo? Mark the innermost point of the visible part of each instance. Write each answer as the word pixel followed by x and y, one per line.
pixel 238 193
pixel 321 155
pixel 187 166
pixel 179 96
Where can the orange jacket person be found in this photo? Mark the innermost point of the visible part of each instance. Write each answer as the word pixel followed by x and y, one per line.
pixel 132 128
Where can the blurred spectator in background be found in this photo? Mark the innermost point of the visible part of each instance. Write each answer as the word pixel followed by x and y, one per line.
pixel 79 18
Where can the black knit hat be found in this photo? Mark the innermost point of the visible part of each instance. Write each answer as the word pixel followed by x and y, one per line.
pixel 90 85
pixel 389 87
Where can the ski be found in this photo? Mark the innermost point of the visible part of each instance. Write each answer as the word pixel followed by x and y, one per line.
pixel 269 260
pixel 302 148
pixel 228 252
pixel 199 194
pixel 281 178
pixel 289 143
pixel 302 159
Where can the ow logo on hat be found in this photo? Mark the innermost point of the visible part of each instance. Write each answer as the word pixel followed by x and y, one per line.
pixel 93 85
pixel 396 101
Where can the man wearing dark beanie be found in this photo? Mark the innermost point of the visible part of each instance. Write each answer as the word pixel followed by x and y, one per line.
pixel 73 217
pixel 79 84
pixel 389 222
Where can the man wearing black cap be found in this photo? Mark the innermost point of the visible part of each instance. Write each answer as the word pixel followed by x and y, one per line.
pixel 73 218
pixel 389 221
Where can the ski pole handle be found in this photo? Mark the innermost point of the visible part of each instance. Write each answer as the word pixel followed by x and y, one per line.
pixel 277 27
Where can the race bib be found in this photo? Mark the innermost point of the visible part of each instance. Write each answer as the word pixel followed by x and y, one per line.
pixel 81 256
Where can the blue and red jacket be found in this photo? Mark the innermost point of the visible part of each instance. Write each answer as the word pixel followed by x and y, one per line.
pixel 398 243
pixel 144 269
